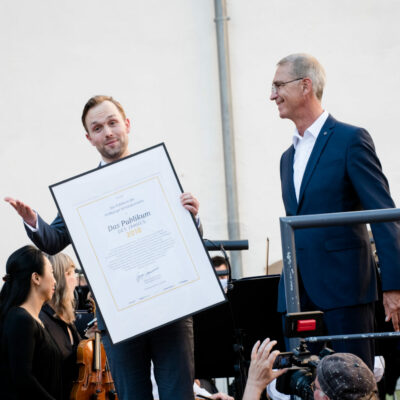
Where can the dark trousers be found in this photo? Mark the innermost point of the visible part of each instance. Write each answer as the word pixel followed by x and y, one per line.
pixel 346 320
pixel 171 350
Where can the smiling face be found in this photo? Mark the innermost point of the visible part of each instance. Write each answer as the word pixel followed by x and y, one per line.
pixel 289 97
pixel 108 131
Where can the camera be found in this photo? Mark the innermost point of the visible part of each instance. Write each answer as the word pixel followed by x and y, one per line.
pixel 301 364
pixel 302 367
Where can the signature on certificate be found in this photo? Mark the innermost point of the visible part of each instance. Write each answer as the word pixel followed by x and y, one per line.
pixel 144 276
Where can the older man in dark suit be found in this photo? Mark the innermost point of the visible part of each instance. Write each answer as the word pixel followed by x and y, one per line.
pixel 332 167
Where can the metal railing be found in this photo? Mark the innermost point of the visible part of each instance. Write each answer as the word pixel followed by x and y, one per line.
pixel 288 226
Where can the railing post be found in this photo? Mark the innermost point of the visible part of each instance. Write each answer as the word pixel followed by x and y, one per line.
pixel 290 273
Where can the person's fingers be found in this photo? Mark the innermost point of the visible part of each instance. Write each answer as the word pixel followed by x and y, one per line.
pixel 22 207
pixel 10 201
pixel 265 343
pixel 188 198
pixel 190 202
pixel 395 321
pixel 277 373
pixel 190 209
pixel 269 347
pixel 261 350
pixel 254 350
pixel 272 357
pixel 387 310
pixel 391 302
pixel 18 207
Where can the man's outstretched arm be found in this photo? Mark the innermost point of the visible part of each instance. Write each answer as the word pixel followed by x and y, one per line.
pixel 49 238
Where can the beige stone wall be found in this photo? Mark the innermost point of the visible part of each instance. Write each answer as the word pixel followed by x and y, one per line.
pixel 159 59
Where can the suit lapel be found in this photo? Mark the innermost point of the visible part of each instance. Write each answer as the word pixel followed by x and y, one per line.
pixel 288 191
pixel 319 147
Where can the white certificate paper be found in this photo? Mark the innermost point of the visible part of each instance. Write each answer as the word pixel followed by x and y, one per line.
pixel 140 249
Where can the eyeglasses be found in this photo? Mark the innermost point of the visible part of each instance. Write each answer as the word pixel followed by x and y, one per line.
pixel 277 85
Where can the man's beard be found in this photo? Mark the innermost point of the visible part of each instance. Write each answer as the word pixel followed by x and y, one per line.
pixel 114 153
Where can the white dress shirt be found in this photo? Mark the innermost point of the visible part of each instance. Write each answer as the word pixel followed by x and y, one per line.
pixel 303 146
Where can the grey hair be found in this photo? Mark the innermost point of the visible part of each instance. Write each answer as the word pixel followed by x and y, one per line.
pixel 306 66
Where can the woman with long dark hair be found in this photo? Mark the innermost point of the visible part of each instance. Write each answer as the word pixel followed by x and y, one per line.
pixel 30 361
pixel 58 316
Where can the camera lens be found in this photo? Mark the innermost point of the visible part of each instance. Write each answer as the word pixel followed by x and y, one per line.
pixel 300 384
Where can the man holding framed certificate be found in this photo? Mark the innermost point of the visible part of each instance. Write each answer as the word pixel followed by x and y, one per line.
pixel 169 347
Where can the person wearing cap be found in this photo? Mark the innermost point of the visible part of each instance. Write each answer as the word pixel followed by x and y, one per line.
pixel 344 376
pixel 339 376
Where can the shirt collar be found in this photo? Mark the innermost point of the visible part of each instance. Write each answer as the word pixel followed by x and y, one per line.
pixel 103 163
pixel 314 129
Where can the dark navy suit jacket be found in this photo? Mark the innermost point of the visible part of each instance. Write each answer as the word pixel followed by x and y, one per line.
pixel 336 263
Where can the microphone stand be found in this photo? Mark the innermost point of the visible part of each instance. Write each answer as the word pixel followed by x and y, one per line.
pixel 238 348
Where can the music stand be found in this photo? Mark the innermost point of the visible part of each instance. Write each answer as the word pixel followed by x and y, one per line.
pixel 251 310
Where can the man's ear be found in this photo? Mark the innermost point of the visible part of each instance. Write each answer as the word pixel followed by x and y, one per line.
pixel 89 138
pixel 307 85
pixel 128 125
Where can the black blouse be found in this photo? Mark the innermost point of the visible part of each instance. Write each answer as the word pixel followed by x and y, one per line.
pixel 58 329
pixel 30 362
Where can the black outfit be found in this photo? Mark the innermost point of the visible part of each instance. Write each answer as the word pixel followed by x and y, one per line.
pixel 58 330
pixel 29 361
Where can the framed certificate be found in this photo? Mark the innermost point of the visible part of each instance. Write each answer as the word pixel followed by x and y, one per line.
pixel 141 251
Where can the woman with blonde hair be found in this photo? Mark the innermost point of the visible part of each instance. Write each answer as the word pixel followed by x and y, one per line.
pixel 58 315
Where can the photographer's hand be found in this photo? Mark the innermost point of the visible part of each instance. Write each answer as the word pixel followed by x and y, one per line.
pixel 391 302
pixel 260 371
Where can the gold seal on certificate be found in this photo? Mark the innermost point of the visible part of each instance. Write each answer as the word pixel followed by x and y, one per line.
pixel 140 249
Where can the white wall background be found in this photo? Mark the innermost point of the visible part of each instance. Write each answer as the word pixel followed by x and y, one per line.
pixel 159 59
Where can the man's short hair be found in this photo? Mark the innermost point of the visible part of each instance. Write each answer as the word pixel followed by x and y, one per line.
pixel 344 376
pixel 306 66
pixel 95 101
pixel 218 260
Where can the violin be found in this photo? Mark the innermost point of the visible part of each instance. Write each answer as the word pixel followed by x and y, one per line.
pixel 108 383
pixel 94 380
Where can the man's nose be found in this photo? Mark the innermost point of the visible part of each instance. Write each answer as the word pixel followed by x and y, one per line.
pixel 273 95
pixel 108 131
